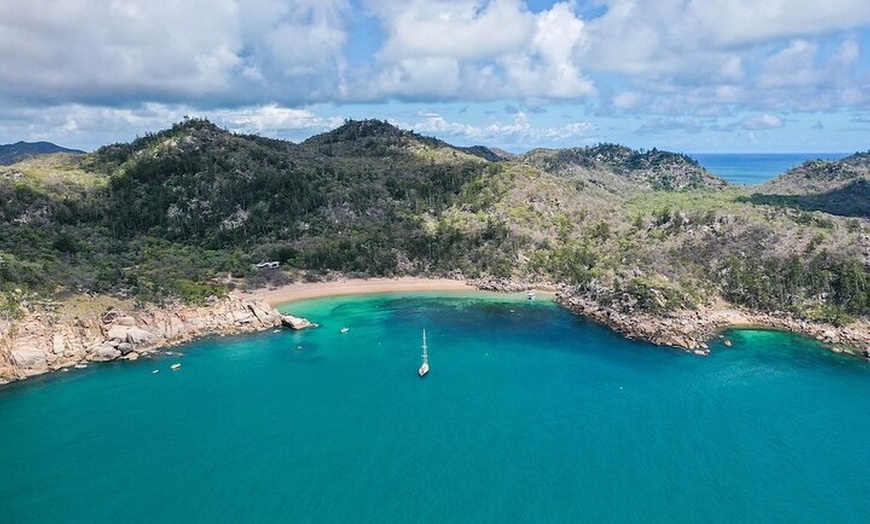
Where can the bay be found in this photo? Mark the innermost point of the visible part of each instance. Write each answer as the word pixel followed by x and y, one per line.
pixel 529 414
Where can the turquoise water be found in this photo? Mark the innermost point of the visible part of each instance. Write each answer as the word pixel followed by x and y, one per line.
pixel 757 168
pixel 529 414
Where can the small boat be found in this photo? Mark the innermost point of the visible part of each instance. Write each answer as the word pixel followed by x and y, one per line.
pixel 156 371
pixel 424 367
pixel 344 330
pixel 531 295
pixel 173 367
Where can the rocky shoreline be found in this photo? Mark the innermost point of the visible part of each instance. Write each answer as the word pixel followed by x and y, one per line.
pixel 692 330
pixel 41 342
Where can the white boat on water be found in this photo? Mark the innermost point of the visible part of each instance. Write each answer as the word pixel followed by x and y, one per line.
pixel 424 367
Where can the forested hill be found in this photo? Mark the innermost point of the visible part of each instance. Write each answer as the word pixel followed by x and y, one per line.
pixel 840 188
pixel 637 170
pixel 11 153
pixel 175 212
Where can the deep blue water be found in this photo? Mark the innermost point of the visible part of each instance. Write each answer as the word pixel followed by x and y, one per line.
pixel 756 168
pixel 529 414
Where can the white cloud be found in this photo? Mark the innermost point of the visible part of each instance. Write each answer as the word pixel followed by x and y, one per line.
pixel 423 76
pixel 88 127
pixel 519 131
pixel 90 67
pixel 748 22
pixel 765 121
pixel 116 51
pixel 793 66
pixel 462 30
pixel 273 119
pixel 718 42
pixel 80 49
pixel 479 49
pixel 300 37
pixel 548 67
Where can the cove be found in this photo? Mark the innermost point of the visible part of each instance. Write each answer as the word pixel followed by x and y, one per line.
pixel 529 414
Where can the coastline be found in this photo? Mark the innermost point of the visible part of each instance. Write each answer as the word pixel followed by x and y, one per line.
pixel 342 287
pixel 43 342
pixel 46 340
pixel 691 330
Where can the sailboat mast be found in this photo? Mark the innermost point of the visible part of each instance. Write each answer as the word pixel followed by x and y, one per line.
pixel 424 367
pixel 425 355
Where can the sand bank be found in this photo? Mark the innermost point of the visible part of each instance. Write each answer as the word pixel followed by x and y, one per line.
pixel 306 290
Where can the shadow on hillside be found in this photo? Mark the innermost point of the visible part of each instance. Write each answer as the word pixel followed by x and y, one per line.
pixel 851 200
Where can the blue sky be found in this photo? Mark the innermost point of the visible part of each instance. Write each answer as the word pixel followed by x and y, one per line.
pixel 690 76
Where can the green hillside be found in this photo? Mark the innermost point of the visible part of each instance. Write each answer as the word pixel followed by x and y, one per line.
pixel 179 212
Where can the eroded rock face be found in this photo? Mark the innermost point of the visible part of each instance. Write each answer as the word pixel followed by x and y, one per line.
pixel 39 344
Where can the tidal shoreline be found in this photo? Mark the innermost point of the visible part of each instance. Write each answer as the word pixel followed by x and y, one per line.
pixel 43 341
pixel 342 287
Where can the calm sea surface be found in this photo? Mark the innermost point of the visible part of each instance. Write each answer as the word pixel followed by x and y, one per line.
pixel 757 168
pixel 529 414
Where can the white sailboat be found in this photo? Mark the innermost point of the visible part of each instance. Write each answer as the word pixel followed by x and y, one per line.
pixel 424 367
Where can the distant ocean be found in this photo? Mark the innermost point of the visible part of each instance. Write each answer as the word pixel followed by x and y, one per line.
pixel 530 414
pixel 756 168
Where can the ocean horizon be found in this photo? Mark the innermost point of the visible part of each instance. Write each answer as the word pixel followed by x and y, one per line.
pixel 756 168
pixel 530 413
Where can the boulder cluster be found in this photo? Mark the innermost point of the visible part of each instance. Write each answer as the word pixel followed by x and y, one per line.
pixel 40 343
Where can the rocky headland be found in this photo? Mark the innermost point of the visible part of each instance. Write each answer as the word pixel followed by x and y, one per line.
pixel 45 340
pixel 692 330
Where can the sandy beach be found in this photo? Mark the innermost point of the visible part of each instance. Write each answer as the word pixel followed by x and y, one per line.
pixel 306 290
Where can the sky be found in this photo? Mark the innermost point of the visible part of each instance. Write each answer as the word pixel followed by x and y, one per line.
pixel 681 75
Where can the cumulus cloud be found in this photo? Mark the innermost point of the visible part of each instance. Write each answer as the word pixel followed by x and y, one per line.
pixel 80 50
pixel 463 30
pixel 219 52
pixel 80 65
pixel 548 67
pixel 116 51
pixel 479 50
pixel 276 120
pixel 770 55
pixel 519 131
pixel 297 38
pixel 659 35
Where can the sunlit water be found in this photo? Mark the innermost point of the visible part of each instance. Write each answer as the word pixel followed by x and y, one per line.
pixel 529 414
